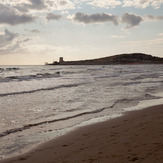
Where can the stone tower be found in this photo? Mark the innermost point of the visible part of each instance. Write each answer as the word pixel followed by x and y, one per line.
pixel 61 60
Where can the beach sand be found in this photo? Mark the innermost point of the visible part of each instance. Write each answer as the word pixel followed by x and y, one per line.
pixel 135 137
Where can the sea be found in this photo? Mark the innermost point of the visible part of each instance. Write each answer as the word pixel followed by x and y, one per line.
pixel 39 103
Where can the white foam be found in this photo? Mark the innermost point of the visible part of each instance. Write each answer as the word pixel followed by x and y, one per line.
pixel 145 103
pixel 99 119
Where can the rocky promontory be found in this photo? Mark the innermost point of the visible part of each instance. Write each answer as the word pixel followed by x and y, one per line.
pixel 132 58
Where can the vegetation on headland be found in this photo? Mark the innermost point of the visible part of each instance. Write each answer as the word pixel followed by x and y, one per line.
pixel 132 58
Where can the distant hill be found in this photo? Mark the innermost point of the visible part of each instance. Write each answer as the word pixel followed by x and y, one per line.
pixel 133 58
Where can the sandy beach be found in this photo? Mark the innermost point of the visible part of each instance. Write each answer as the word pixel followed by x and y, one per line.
pixel 135 137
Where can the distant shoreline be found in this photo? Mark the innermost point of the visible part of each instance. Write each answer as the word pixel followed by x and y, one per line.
pixel 132 59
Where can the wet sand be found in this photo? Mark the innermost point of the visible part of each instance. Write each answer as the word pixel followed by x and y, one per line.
pixel 135 137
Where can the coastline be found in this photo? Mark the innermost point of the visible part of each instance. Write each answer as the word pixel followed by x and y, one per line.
pixel 135 136
pixel 131 58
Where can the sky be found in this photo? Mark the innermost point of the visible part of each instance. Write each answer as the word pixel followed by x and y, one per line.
pixel 33 32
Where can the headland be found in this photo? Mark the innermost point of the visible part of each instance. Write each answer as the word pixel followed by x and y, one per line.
pixel 132 58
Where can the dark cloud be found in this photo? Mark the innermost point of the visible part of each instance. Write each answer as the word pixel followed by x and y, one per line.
pixel 62 3
pixel 7 37
pixel 95 18
pixel 23 41
pixel 10 16
pixel 9 49
pixel 35 4
pixel 11 43
pixel 32 31
pixel 35 31
pixel 53 17
pixel 151 17
pixel 8 42
pixel 131 20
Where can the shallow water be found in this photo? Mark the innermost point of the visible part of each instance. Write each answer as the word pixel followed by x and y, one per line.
pixel 38 103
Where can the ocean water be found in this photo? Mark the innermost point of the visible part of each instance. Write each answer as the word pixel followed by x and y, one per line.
pixel 38 103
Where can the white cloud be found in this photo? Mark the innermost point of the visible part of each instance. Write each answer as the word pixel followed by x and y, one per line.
pixel 125 3
pixel 117 36
pixel 160 34
pixel 47 49
pixel 13 2
pixel 39 5
pixel 59 5
pixel 50 5
pixel 142 3
pixel 104 3
pixel 64 4
pixel 153 42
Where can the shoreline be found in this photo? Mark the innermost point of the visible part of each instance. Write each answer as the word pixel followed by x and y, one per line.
pixel 135 136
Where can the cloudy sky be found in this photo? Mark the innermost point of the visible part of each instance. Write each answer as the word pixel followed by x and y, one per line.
pixel 39 31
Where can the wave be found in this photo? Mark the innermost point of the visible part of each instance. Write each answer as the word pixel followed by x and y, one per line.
pixel 28 126
pixel 123 102
pixel 141 82
pixel 73 72
pixel 1 70
pixel 9 69
pixel 30 77
pixel 127 102
pixel 41 89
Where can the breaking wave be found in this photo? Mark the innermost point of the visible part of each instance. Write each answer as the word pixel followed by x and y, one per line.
pixel 41 89
pixel 30 77
pixel 122 102
pixel 28 126
pixel 9 69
